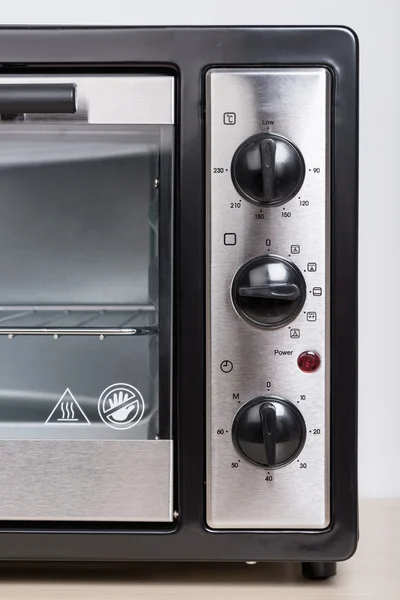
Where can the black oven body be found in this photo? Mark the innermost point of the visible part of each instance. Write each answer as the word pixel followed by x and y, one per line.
pixel 187 53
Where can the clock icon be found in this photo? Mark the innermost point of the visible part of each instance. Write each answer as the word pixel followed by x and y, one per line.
pixel 226 366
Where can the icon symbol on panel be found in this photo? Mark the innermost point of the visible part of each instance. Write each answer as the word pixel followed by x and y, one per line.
pixel 311 316
pixel 312 267
pixel 230 239
pixel 295 333
pixel 226 366
pixel 317 291
pixel 295 249
pixel 229 118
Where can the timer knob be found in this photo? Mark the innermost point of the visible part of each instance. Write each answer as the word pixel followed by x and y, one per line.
pixel 269 432
pixel 269 291
pixel 267 169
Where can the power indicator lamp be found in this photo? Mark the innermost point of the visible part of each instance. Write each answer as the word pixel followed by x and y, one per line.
pixel 308 361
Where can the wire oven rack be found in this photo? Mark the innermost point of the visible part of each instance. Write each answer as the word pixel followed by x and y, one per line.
pixel 56 321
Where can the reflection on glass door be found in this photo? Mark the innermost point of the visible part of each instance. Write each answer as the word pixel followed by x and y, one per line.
pixel 85 239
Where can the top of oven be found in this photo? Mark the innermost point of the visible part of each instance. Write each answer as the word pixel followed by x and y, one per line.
pixel 100 100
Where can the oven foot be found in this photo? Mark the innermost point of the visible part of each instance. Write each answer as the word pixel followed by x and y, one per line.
pixel 318 570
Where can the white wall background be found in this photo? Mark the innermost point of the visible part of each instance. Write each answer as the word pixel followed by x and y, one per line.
pixel 378 25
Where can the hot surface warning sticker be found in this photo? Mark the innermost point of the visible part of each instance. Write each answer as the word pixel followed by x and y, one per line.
pixel 67 412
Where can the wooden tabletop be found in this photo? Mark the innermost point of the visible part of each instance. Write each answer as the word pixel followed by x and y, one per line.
pixel 373 573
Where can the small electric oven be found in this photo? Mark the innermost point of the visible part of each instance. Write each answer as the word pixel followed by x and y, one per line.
pixel 178 244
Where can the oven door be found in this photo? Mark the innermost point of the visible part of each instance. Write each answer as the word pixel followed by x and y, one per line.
pixel 86 298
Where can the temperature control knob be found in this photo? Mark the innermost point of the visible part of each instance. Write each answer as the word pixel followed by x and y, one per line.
pixel 269 291
pixel 267 169
pixel 269 432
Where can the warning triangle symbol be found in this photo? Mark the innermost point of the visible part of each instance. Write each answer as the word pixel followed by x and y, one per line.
pixel 67 412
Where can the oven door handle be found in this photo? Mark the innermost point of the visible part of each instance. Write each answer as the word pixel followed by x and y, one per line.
pixel 52 98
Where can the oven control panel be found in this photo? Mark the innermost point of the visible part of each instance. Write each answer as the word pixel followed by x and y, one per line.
pixel 268 298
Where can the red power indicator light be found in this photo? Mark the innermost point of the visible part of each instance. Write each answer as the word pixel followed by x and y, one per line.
pixel 309 361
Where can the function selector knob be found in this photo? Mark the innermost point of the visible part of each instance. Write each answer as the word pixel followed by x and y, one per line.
pixel 267 169
pixel 269 432
pixel 269 291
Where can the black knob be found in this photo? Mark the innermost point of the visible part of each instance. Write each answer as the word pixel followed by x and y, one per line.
pixel 269 432
pixel 267 169
pixel 269 291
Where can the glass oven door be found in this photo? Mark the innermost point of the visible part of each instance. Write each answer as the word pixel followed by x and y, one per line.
pixel 86 298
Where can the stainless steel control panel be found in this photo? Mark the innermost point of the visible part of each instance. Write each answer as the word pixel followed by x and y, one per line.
pixel 268 298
